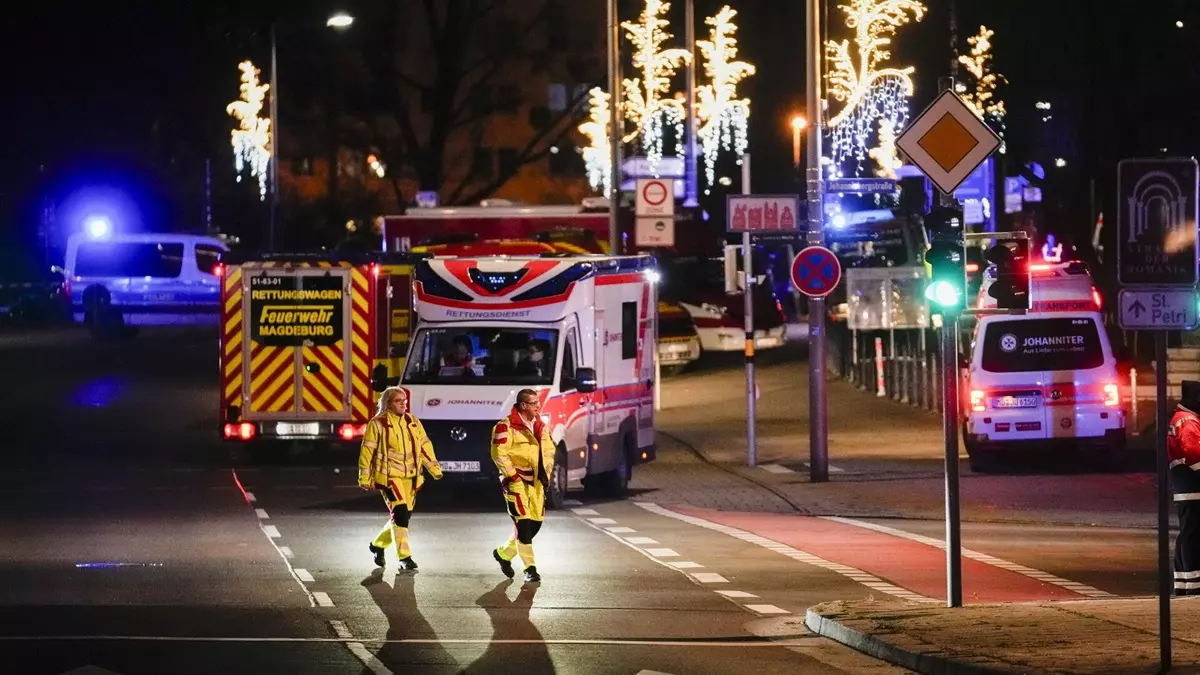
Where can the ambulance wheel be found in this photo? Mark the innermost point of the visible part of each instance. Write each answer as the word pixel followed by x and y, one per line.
pixel 616 482
pixel 556 491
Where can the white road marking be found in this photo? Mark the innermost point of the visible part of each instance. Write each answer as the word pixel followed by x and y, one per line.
pixel 620 530
pixel 767 609
pixel 800 640
pixel 322 599
pixel 572 502
pixel 250 497
pixel 1082 589
pixel 261 513
pixel 685 565
pixel 861 577
pixel 602 521
pixel 709 578
pixel 287 552
pixel 271 531
pixel 585 512
pixel 775 468
pixel 640 541
pixel 304 575
pixel 358 649
pixel 340 630
pixel 737 594
pixel 662 552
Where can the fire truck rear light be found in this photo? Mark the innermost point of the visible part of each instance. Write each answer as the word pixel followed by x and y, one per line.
pixel 972 267
pixel 1097 299
pixel 977 404
pixel 349 432
pixel 244 431
pixel 1112 395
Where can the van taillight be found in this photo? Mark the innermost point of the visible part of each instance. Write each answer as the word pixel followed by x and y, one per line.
pixel 349 432
pixel 1097 299
pixel 244 431
pixel 1112 395
pixel 977 404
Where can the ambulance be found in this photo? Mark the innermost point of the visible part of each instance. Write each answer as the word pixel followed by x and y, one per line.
pixel 1045 380
pixel 307 341
pixel 579 330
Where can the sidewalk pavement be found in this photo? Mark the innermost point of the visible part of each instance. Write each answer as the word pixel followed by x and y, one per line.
pixel 1084 636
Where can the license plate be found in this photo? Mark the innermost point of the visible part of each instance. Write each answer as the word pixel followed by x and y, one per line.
pixel 1015 402
pixel 460 467
pixel 767 342
pixel 297 428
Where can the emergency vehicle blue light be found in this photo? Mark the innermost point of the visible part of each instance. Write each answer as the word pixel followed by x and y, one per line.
pixel 494 282
pixel 97 227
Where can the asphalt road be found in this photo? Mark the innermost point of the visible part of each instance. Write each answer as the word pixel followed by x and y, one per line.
pixel 131 541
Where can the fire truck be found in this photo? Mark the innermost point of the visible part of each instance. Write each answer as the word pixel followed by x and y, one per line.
pixel 306 338
pixel 573 229
pixel 580 330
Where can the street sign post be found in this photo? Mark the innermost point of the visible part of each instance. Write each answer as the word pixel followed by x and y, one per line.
pixel 655 231
pixel 947 142
pixel 1156 231
pixel 1157 258
pixel 816 271
pixel 655 198
pixel 1158 309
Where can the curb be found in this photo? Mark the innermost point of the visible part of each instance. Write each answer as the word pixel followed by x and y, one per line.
pixel 929 664
pixel 707 459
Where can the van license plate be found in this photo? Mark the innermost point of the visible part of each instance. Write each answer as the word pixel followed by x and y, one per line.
pixel 460 467
pixel 297 428
pixel 1015 402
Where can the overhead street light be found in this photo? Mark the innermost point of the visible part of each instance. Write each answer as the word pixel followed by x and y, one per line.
pixel 339 20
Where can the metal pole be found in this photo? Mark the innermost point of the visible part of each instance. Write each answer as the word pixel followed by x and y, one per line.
pixel 690 172
pixel 615 130
pixel 817 405
pixel 949 342
pixel 748 299
pixel 274 143
pixel 1165 577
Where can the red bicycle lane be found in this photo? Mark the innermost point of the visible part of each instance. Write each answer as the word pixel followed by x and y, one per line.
pixel 909 564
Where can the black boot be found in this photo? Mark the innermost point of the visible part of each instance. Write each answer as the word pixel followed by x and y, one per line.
pixel 531 575
pixel 408 563
pixel 505 565
pixel 378 553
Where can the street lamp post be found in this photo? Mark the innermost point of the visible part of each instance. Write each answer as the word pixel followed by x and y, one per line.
pixel 338 21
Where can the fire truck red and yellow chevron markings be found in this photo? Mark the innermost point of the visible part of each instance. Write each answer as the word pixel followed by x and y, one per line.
pixel 272 378
pixel 231 325
pixel 360 340
pixel 325 385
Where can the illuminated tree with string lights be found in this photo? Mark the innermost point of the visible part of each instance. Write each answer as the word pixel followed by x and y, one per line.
pixel 597 157
pixel 723 117
pixel 982 97
pixel 252 139
pixel 870 94
pixel 646 104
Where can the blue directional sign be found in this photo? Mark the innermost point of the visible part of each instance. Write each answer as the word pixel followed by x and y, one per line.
pixel 816 271
pixel 860 185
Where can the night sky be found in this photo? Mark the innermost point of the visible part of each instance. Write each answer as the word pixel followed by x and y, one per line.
pixel 135 91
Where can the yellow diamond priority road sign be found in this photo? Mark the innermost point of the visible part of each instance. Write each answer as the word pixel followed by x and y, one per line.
pixel 948 141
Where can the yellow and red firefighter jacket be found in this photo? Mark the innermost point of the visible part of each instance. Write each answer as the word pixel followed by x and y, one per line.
pixel 395 447
pixel 521 453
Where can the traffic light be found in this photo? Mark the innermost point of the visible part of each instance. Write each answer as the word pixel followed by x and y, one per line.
pixel 1011 287
pixel 946 257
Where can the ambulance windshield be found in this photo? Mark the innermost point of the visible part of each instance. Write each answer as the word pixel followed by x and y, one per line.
pixel 482 355
pixel 1067 343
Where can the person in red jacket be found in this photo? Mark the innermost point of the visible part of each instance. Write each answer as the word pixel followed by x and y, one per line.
pixel 1183 451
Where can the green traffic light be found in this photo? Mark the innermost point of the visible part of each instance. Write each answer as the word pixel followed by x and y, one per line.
pixel 943 293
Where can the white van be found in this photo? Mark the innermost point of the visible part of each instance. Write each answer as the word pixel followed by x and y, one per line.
pixel 121 281
pixel 1045 379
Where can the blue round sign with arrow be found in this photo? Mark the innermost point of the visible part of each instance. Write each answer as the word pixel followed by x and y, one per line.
pixel 816 271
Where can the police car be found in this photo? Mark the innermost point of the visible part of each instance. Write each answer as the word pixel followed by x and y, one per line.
pixel 121 281
pixel 1046 379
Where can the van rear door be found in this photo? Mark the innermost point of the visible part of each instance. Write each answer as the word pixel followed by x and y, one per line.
pixel 1012 383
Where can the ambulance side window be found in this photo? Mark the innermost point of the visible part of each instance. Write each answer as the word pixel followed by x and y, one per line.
pixel 566 378
pixel 629 326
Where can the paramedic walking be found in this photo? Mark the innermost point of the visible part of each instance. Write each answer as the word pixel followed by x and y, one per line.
pixel 395 451
pixel 1183 451
pixel 524 454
